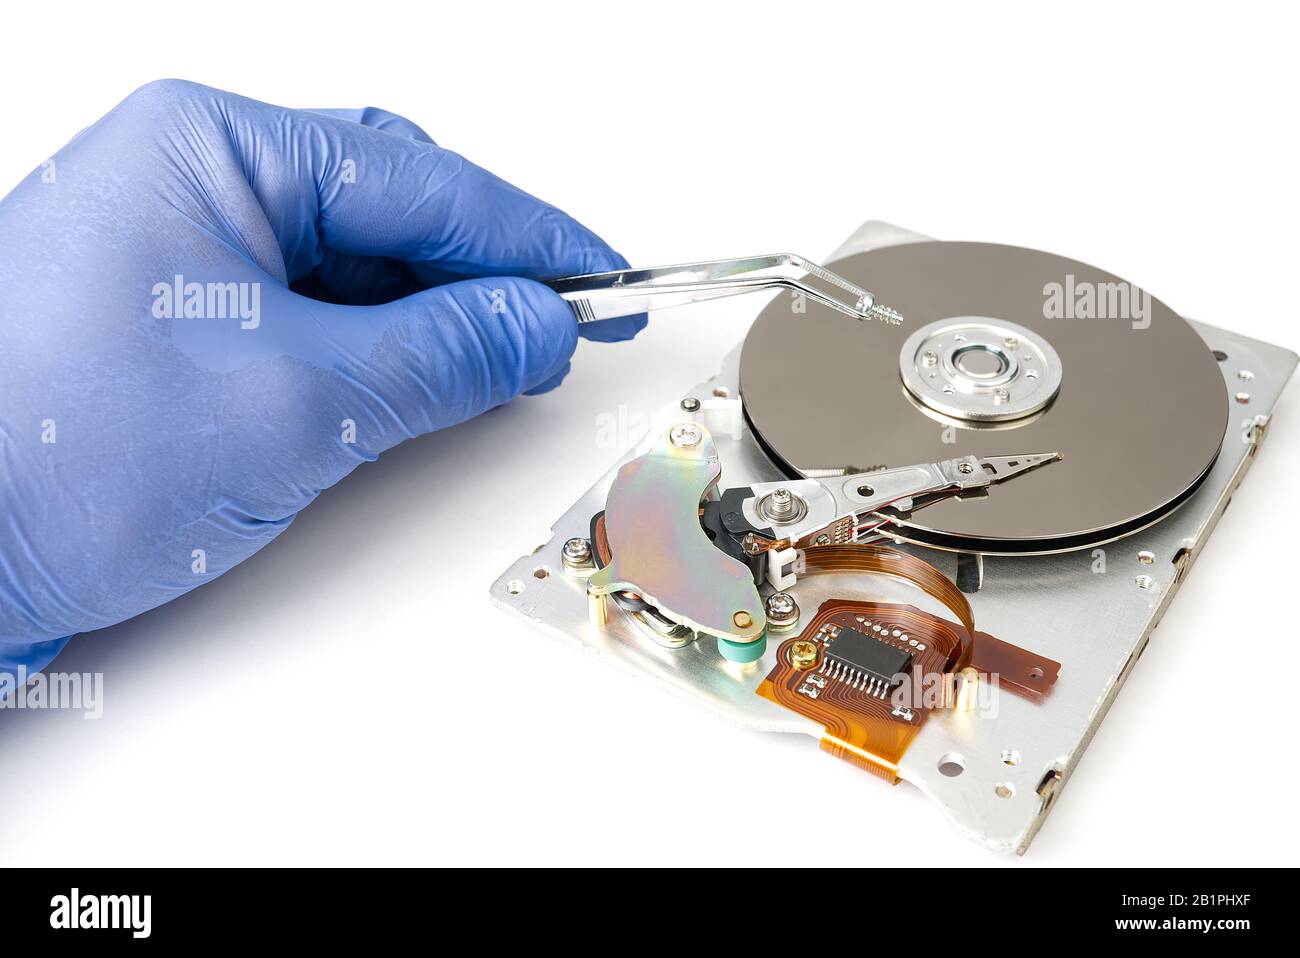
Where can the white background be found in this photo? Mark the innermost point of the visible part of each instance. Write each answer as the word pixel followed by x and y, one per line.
pixel 308 707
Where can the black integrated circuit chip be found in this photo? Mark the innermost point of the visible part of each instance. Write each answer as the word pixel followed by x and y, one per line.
pixel 868 655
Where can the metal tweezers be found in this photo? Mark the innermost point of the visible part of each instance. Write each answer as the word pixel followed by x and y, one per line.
pixel 627 292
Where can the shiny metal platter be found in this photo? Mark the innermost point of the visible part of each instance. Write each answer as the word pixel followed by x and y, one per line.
pixel 1002 349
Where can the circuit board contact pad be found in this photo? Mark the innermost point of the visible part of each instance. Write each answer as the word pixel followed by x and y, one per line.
pixel 865 725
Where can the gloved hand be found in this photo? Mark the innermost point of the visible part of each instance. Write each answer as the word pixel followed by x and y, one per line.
pixel 214 308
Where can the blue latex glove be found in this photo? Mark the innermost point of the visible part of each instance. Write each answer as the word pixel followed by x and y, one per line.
pixel 374 290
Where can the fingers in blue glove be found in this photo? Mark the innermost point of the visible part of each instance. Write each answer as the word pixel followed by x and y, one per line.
pixel 375 118
pixel 186 443
pixel 450 353
pixel 480 210
pixel 342 185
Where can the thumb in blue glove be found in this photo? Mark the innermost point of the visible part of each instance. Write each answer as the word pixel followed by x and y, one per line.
pixel 214 308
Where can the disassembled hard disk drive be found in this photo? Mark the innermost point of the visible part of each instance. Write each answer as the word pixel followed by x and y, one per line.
pixel 895 536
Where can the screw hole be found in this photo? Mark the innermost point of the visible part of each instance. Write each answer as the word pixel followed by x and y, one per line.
pixel 951 764
pixel 722 392
pixel 1220 355
pixel 515 586
pixel 1035 673
pixel 1004 790
pixel 866 492
pixel 1146 558
pixel 541 572
pixel 1242 398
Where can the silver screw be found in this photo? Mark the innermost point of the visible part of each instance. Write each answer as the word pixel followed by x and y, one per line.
pixel 576 552
pixel 690 404
pixel 781 506
pixel 685 435
pixel 1000 396
pixel 782 503
pixel 1011 342
pixel 965 468
pixel 929 358
pixel 782 610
